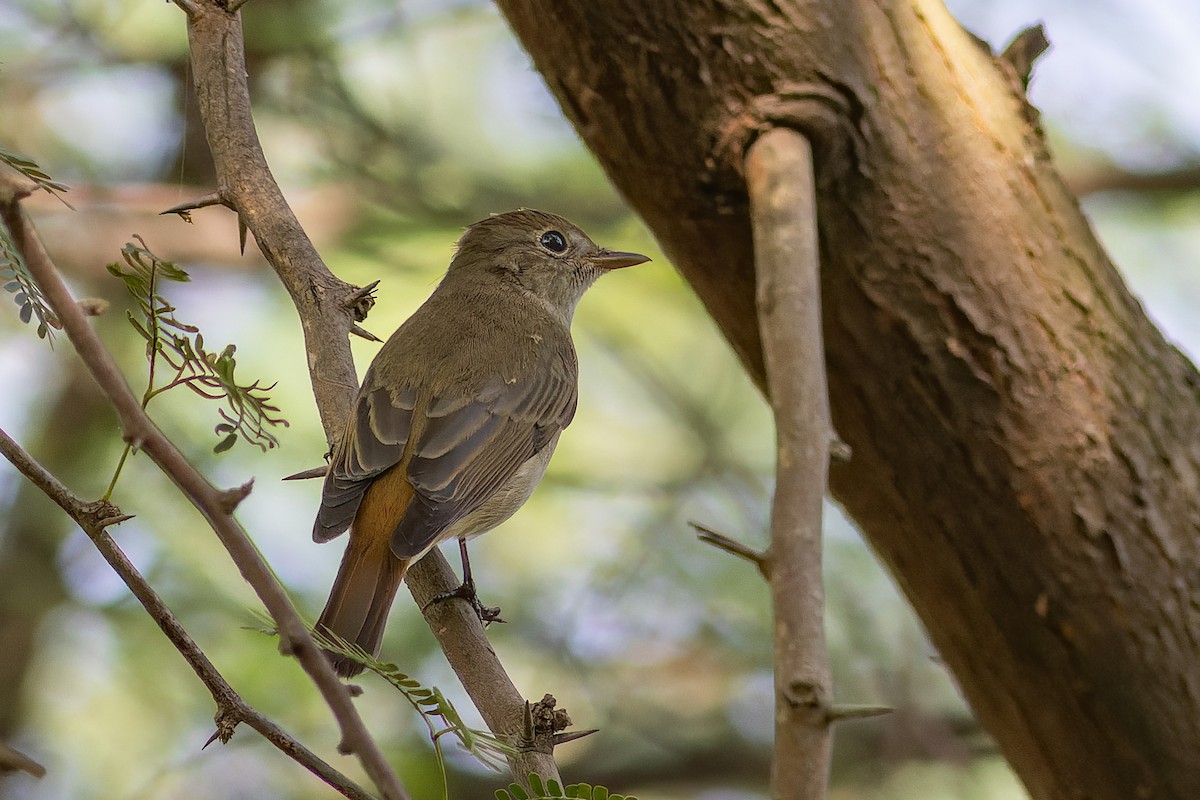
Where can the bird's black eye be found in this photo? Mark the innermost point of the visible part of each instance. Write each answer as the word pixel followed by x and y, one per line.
pixel 553 241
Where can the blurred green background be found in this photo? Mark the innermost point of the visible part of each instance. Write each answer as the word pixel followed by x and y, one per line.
pixel 391 125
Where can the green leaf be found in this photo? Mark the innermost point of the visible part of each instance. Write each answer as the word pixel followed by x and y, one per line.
pixel 29 168
pixel 246 411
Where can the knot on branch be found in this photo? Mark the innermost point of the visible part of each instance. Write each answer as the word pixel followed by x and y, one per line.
pixel 545 726
pixel 829 115
pixel 361 301
pixel 547 719
pixel 100 514
pixel 808 699
pixel 227 719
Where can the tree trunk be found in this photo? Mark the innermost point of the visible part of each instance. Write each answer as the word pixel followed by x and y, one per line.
pixel 1026 446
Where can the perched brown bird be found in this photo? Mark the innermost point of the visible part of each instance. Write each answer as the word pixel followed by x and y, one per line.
pixel 458 415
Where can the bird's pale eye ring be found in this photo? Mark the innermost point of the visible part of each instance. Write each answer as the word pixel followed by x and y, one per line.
pixel 553 241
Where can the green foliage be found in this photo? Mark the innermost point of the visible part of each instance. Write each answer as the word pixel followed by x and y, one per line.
pixel 26 294
pixel 15 276
pixel 246 411
pixel 29 168
pixel 553 790
pixel 436 711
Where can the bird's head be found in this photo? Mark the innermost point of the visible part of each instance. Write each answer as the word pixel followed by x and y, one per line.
pixel 545 254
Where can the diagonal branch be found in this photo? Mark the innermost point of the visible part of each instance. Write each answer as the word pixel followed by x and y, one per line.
pixel 327 307
pixel 94 519
pixel 779 176
pixel 215 505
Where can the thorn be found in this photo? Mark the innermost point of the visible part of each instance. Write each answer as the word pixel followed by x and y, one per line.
pixel 364 333
pixel 230 499
pixel 117 519
pixel 242 234
pixel 570 736
pixel 315 472
pixel 1024 49
pixel 731 546
pixel 839 713
pixel 526 739
pixel 227 721
pixel 210 199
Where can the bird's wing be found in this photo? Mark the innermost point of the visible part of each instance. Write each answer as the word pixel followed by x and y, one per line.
pixel 374 441
pixel 469 447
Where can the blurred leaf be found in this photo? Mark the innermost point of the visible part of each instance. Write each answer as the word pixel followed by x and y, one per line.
pixel 29 168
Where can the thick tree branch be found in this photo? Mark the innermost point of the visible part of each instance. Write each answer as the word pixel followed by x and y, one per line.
pixel 1025 442
pixel 212 503
pixel 328 309
pixel 781 185
pixel 94 519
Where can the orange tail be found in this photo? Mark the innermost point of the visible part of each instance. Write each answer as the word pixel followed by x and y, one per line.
pixel 358 605
pixel 370 574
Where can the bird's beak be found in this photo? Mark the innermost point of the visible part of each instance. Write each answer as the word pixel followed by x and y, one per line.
pixel 615 259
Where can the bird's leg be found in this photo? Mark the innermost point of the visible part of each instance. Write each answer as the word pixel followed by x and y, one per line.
pixel 466 591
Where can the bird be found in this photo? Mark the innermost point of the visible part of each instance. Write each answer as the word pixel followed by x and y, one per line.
pixel 458 414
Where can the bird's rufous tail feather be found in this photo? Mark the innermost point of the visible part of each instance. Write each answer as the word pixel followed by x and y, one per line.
pixel 362 595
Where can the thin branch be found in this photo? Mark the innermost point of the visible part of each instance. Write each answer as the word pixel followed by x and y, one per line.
pixel 779 176
pixel 731 546
pixel 328 308
pixel 140 431
pixel 220 79
pixel 12 760
pixel 1110 178
pixel 94 519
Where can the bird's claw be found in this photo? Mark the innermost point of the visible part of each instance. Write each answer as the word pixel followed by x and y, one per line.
pixel 466 591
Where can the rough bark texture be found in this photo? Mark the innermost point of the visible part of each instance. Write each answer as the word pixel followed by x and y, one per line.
pixel 1026 445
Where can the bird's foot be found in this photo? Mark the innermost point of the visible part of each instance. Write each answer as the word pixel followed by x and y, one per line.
pixel 466 591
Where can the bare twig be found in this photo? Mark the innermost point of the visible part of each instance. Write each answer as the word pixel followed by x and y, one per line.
pixel 12 759
pixel 1110 178
pixel 328 308
pixel 94 519
pixel 211 502
pixel 779 176
pixel 731 546
pixel 210 199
